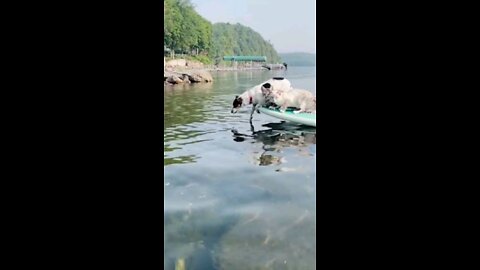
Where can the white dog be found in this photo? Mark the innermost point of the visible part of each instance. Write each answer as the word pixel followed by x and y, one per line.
pixel 255 96
pixel 304 100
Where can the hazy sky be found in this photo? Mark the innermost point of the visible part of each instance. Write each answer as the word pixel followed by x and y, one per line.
pixel 288 24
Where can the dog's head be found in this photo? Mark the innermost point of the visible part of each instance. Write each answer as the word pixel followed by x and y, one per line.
pixel 237 103
pixel 266 89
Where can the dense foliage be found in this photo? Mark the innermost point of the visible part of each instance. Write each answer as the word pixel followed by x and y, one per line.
pixel 236 39
pixel 185 31
pixel 299 59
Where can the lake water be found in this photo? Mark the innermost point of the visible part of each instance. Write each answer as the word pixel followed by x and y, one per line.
pixel 236 196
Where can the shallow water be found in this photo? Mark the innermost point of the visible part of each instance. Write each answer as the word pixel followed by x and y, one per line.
pixel 237 196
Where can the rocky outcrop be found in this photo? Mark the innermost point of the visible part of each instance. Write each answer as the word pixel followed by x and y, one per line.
pixel 193 76
pixel 185 79
pixel 174 79
pixel 200 76
pixel 185 71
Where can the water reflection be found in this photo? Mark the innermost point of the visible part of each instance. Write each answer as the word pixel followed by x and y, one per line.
pixel 279 136
pixel 184 104
pixel 236 196
pixel 179 160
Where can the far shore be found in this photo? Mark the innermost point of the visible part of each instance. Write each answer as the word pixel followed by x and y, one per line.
pixel 210 68
pixel 176 69
pixel 183 65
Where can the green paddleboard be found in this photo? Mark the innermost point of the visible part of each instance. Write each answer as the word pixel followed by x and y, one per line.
pixel 309 119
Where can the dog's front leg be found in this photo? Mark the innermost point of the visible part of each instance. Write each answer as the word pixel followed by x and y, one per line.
pixel 253 110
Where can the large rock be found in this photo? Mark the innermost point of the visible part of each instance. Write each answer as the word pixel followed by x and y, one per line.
pixel 200 76
pixel 193 76
pixel 174 79
pixel 185 78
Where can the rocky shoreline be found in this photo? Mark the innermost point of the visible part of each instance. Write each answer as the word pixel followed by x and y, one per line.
pixel 191 76
pixel 180 71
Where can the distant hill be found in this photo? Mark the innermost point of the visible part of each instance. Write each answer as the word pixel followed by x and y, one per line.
pixel 299 59
pixel 237 39
pixel 187 32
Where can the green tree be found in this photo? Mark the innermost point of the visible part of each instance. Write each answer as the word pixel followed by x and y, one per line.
pixel 187 32
pixel 238 39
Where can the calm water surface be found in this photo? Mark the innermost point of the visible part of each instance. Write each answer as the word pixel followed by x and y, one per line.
pixel 237 196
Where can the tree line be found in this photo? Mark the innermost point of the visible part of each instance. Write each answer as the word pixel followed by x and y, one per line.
pixel 237 39
pixel 185 31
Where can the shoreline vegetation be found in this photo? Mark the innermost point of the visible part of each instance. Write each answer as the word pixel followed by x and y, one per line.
pixel 188 35
pixel 178 71
pixel 194 47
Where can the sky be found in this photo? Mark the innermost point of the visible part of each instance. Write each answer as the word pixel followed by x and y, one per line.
pixel 288 24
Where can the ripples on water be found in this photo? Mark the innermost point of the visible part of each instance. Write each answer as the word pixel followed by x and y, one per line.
pixel 236 196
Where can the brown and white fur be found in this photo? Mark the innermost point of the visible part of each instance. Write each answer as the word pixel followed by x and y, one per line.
pixel 304 100
pixel 268 91
pixel 255 97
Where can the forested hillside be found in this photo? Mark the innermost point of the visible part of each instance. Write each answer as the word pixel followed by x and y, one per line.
pixel 236 39
pixel 299 59
pixel 186 32
pixel 184 29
